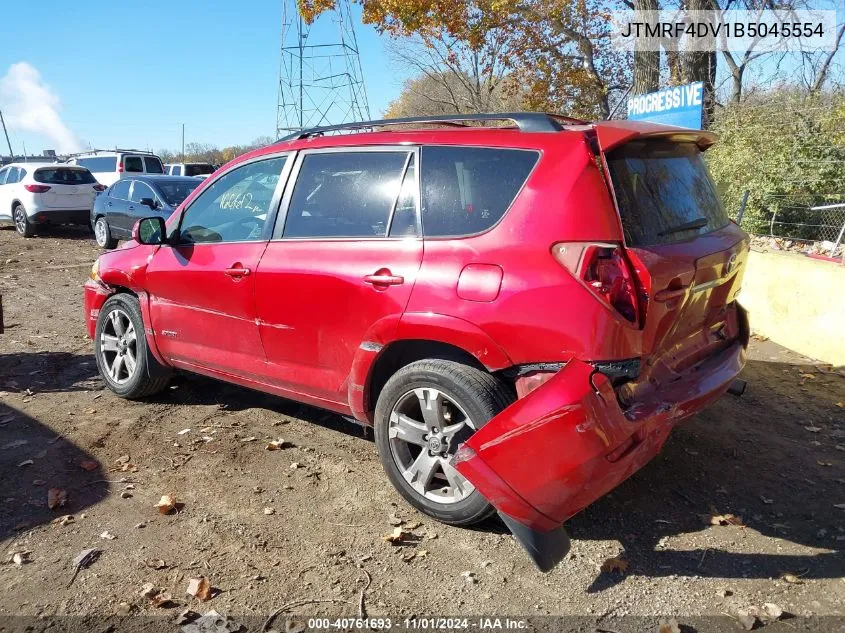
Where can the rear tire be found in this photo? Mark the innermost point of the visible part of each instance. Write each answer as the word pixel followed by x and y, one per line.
pixel 24 227
pixel 102 234
pixel 120 347
pixel 423 413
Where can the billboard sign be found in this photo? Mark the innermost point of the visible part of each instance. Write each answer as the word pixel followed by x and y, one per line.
pixel 678 105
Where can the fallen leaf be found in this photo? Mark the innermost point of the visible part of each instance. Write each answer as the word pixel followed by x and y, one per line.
pixel 199 588
pixel 821 462
pixel 841 506
pixel 156 563
pixel 183 431
pixel 251 438
pixel 162 601
pixel 166 504
pixel 669 626
pixel 422 553
pixel 123 459
pixel 396 536
pixel 27 462
pixel 279 444
pixel 89 465
pixel 21 558
pixel 810 376
pixel 726 519
pixel 395 520
pixel 148 590
pixel 56 497
pixel 615 564
pixel 66 519
pixel 813 429
pixel 269 511
pixel 108 536
pixel 791 578
pixel 413 525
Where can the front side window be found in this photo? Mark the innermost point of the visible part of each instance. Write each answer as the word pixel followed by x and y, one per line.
pixel 14 176
pixel 198 169
pixel 466 190
pixel 141 190
pixel 120 190
pixel 133 164
pixel 236 207
pixel 153 165
pixel 345 194
pixel 175 191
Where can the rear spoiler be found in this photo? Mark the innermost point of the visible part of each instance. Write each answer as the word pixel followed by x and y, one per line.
pixel 611 134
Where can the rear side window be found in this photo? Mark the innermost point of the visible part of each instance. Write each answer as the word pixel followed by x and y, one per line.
pixel 64 176
pixel 664 192
pixel 99 163
pixel 120 190
pixel 153 165
pixel 466 190
pixel 345 194
pixel 14 176
pixel 133 164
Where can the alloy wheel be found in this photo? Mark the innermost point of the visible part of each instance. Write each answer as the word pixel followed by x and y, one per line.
pixel 118 346
pixel 20 220
pixel 425 428
pixel 101 232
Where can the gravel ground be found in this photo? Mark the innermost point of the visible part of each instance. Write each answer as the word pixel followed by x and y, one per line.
pixel 305 523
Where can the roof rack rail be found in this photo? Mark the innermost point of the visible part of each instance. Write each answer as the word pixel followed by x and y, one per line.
pixel 116 149
pixel 525 121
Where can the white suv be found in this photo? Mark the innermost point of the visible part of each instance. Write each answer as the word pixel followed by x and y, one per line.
pixel 110 166
pixel 195 170
pixel 46 193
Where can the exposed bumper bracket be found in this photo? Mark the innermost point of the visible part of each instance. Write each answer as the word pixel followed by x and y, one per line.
pixel 546 549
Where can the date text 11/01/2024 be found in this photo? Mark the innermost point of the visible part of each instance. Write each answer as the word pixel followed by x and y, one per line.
pixel 419 624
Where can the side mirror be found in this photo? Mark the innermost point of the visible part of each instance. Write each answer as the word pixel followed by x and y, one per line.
pixel 149 202
pixel 150 231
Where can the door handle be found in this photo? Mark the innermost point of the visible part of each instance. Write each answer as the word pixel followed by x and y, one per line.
pixel 384 279
pixel 668 294
pixel 236 272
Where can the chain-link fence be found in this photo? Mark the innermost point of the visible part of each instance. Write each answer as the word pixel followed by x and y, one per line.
pixel 822 224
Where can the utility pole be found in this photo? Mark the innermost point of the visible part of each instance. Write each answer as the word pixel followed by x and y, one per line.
pixel 183 142
pixel 8 142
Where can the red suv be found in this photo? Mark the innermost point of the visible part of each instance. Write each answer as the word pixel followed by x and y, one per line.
pixel 522 312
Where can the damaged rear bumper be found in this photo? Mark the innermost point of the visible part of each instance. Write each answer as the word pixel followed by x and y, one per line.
pixel 569 442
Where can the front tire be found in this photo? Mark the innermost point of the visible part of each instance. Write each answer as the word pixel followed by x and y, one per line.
pixel 424 412
pixel 120 347
pixel 102 234
pixel 24 227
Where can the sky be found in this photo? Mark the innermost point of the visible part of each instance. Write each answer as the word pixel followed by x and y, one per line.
pixel 109 73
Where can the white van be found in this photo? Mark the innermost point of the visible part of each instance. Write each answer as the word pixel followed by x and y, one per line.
pixel 110 166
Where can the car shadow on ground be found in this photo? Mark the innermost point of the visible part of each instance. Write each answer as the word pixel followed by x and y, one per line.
pixel 769 457
pixel 48 372
pixel 63 231
pixel 34 460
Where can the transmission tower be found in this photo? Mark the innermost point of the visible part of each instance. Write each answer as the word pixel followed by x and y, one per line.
pixel 320 77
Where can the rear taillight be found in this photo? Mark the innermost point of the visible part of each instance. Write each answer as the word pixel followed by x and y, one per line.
pixel 605 271
pixel 120 168
pixel 37 188
pixel 99 187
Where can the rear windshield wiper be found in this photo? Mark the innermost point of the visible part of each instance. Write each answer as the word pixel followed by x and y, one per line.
pixel 686 226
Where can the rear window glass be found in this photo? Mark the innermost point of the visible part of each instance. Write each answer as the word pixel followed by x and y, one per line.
pixel 198 170
pixel 466 190
pixel 154 165
pixel 664 192
pixel 64 176
pixel 101 163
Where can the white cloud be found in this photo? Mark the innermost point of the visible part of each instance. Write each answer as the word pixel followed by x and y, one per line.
pixel 29 105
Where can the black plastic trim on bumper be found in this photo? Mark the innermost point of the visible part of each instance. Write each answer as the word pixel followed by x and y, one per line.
pixel 80 216
pixel 546 549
